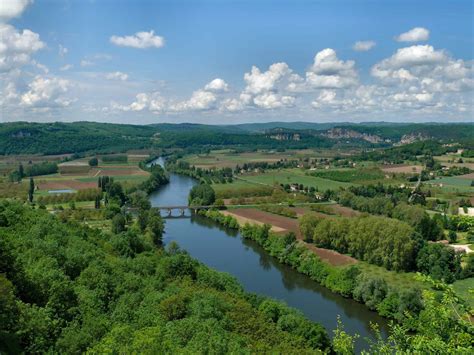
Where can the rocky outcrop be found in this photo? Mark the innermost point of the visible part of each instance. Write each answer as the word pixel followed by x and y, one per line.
pixel 343 133
pixel 412 138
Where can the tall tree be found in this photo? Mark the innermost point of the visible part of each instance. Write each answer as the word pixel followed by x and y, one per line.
pixel 31 190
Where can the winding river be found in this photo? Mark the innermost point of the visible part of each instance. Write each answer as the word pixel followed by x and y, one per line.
pixel 225 250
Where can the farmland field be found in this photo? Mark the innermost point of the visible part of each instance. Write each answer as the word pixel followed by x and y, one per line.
pixel 453 183
pixel 228 158
pixel 402 169
pixel 467 176
pixel 350 175
pixel 241 188
pixel 289 176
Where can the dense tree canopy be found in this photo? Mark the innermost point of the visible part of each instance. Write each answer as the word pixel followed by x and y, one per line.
pixel 377 240
pixel 67 288
pixel 202 194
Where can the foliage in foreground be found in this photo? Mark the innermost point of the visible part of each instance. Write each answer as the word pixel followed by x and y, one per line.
pixel 68 288
pixel 440 328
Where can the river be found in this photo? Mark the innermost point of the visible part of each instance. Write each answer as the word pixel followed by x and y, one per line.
pixel 225 250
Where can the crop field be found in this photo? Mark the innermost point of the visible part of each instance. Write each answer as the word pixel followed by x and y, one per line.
pixel 453 184
pixel 450 157
pixel 353 176
pixel 401 169
pixel 325 210
pixel 289 176
pixel 453 160
pixel 240 188
pixel 281 223
pixel 49 184
pixel 228 158
pixel 330 256
pixel 34 158
pixel 467 176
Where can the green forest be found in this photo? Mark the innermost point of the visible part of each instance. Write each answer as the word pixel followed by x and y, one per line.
pixel 49 138
pixel 67 288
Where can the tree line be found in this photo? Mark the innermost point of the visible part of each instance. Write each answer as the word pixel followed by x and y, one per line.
pixel 386 242
pixel 44 168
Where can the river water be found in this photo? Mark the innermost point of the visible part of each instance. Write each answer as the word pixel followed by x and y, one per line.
pixel 225 250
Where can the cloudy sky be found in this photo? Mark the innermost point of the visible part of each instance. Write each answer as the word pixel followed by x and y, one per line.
pixel 236 61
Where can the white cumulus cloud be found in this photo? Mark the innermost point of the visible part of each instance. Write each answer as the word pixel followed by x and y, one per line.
pixel 46 92
pixel 17 47
pixel 12 8
pixel 140 40
pixel 329 72
pixel 416 34
pixel 258 82
pixel 153 102
pixel 217 85
pixel 200 100
pixel 263 90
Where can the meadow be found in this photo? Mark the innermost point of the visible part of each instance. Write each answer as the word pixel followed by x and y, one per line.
pixel 290 176
pixel 453 184
pixel 358 176
pixel 230 158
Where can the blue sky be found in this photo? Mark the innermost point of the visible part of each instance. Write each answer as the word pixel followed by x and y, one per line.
pixel 236 61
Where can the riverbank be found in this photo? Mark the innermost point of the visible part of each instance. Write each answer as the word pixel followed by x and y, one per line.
pixel 351 280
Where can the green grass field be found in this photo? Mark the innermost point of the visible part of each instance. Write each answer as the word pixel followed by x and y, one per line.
pixel 228 158
pixel 78 204
pixel 134 178
pixel 453 184
pixel 350 175
pixel 289 176
pixel 234 185
pixel 398 280
pixel 240 188
pixel 465 290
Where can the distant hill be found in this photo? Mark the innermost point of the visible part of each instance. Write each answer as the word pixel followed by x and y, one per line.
pixel 60 138
pixel 266 126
